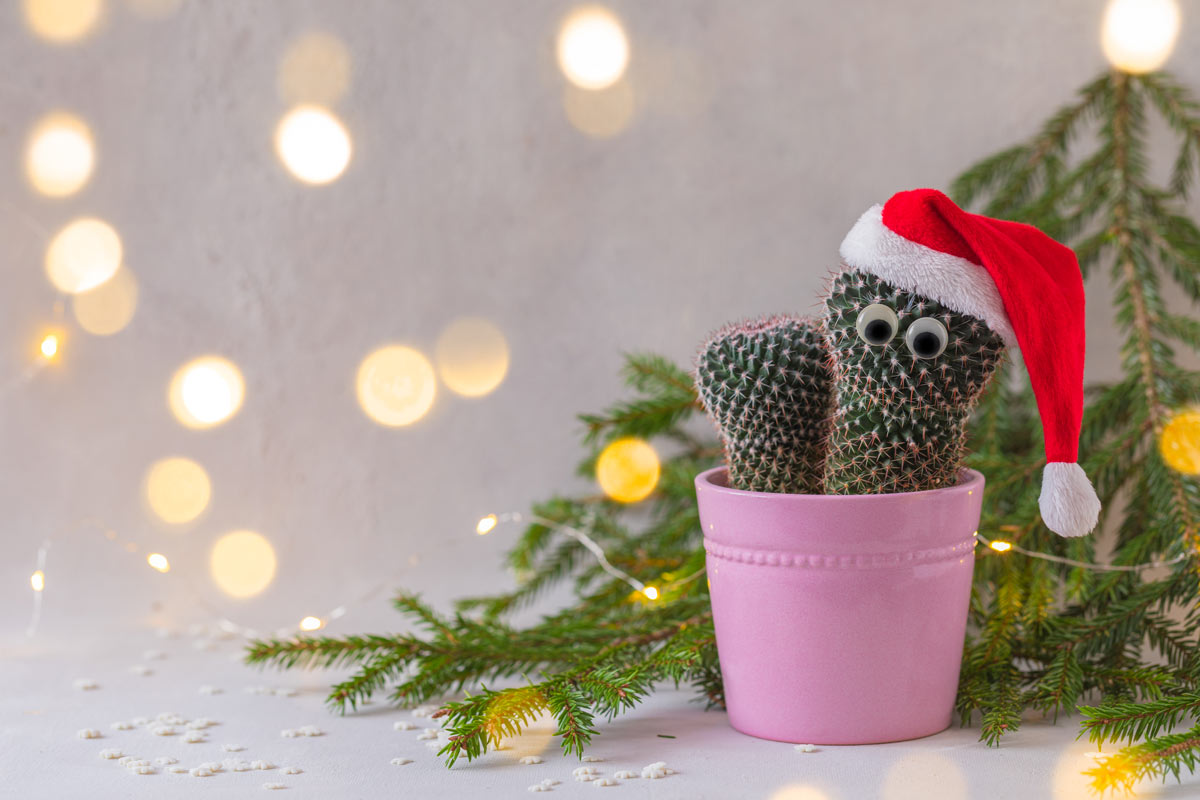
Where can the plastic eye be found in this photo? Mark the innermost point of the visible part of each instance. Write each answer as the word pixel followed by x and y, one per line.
pixel 877 324
pixel 926 337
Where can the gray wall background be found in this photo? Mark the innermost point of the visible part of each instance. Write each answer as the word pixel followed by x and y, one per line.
pixel 762 130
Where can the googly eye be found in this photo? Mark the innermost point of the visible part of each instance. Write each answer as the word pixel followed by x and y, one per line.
pixel 877 324
pixel 926 337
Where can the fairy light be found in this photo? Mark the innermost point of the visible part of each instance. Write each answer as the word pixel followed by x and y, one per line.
pixel 312 624
pixel 159 562
pixel 49 346
pixel 593 50
pixel 650 592
pixel 1004 547
pixel 486 525
pixel 38 580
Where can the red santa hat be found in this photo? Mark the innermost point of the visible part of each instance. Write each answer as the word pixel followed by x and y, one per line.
pixel 1025 286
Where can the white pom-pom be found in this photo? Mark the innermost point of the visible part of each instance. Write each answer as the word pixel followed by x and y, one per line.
pixel 1068 502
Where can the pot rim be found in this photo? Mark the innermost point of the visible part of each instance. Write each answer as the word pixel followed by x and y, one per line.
pixel 969 481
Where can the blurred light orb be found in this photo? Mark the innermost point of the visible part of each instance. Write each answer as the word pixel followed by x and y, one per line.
pixel 472 356
pixel 600 114
pixel 109 307
pixel 799 791
pixel 593 50
pixel 83 255
pixel 49 346
pixel 37 581
pixel 206 392
pixel 313 144
pixel 650 592
pixel 153 9
pixel 1179 442
pixel 628 469
pixel 242 563
pixel 62 21
pixel 177 490
pixel 60 155
pixel 158 562
pixel 918 776
pixel 315 68
pixel 487 525
pixel 396 385
pixel 1138 35
pixel 311 624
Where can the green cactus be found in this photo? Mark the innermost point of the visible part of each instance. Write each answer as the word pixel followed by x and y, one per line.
pixel 766 385
pixel 905 387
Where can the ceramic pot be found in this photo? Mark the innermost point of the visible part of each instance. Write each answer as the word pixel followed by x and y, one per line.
pixel 840 619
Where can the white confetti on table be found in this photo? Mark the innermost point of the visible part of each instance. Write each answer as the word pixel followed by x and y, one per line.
pixel 292 770
pixel 400 762
pixel 88 733
pixel 85 684
pixel 232 748
pixel 531 759
pixel 403 725
pixel 274 786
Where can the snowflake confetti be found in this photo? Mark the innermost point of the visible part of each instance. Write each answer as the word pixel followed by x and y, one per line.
pixel 88 733
pixel 531 759
pixel 210 690
pixel 292 770
pixel 166 760
pixel 232 748
pixel 400 762
pixel 121 726
pixel 85 684
pixel 403 725
pixel 274 786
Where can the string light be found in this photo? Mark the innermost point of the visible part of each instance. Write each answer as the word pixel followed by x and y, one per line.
pixel 37 580
pixel 647 591
pixel 311 624
pixel 60 156
pixel 1003 547
pixel 159 562
pixel 313 144
pixel 396 385
pixel 206 392
pixel 86 253
pixel 486 525
pixel 62 21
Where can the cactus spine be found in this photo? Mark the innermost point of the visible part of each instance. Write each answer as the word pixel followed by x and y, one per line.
pixel 900 423
pixel 766 385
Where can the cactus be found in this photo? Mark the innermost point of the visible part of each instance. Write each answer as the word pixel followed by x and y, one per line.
pixel 766 385
pixel 905 388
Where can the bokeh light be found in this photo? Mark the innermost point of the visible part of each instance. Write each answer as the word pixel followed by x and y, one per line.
pixel 206 391
pixel 650 592
pixel 109 307
pixel 62 21
pixel 472 356
pixel 153 9
pixel 798 791
pixel 1138 35
pixel 593 50
pixel 159 562
pixel 60 155
pixel 49 346
pixel 83 255
pixel 37 581
pixel 535 739
pixel 487 525
pixel 1069 781
pixel 177 490
pixel 315 68
pixel 313 144
pixel 1000 546
pixel 242 563
pixel 921 775
pixel 311 624
pixel 628 470
pixel 1179 442
pixel 396 385
pixel 600 114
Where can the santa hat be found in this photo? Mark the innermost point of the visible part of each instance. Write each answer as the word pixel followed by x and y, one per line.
pixel 1025 286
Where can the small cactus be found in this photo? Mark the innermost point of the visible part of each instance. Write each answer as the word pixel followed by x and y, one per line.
pixel 766 385
pixel 907 373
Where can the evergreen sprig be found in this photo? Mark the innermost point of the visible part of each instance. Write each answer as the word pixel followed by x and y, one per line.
pixel 1042 636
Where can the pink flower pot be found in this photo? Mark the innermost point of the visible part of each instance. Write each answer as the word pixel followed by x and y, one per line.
pixel 840 619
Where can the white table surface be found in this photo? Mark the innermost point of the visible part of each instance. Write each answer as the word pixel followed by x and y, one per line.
pixel 42 757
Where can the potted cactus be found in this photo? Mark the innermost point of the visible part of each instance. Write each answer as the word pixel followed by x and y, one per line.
pixel 840 533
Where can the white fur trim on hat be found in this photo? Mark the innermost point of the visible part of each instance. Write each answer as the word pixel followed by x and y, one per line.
pixel 956 283
pixel 1068 502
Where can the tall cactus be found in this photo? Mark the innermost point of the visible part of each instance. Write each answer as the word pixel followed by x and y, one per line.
pixel 766 385
pixel 907 372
